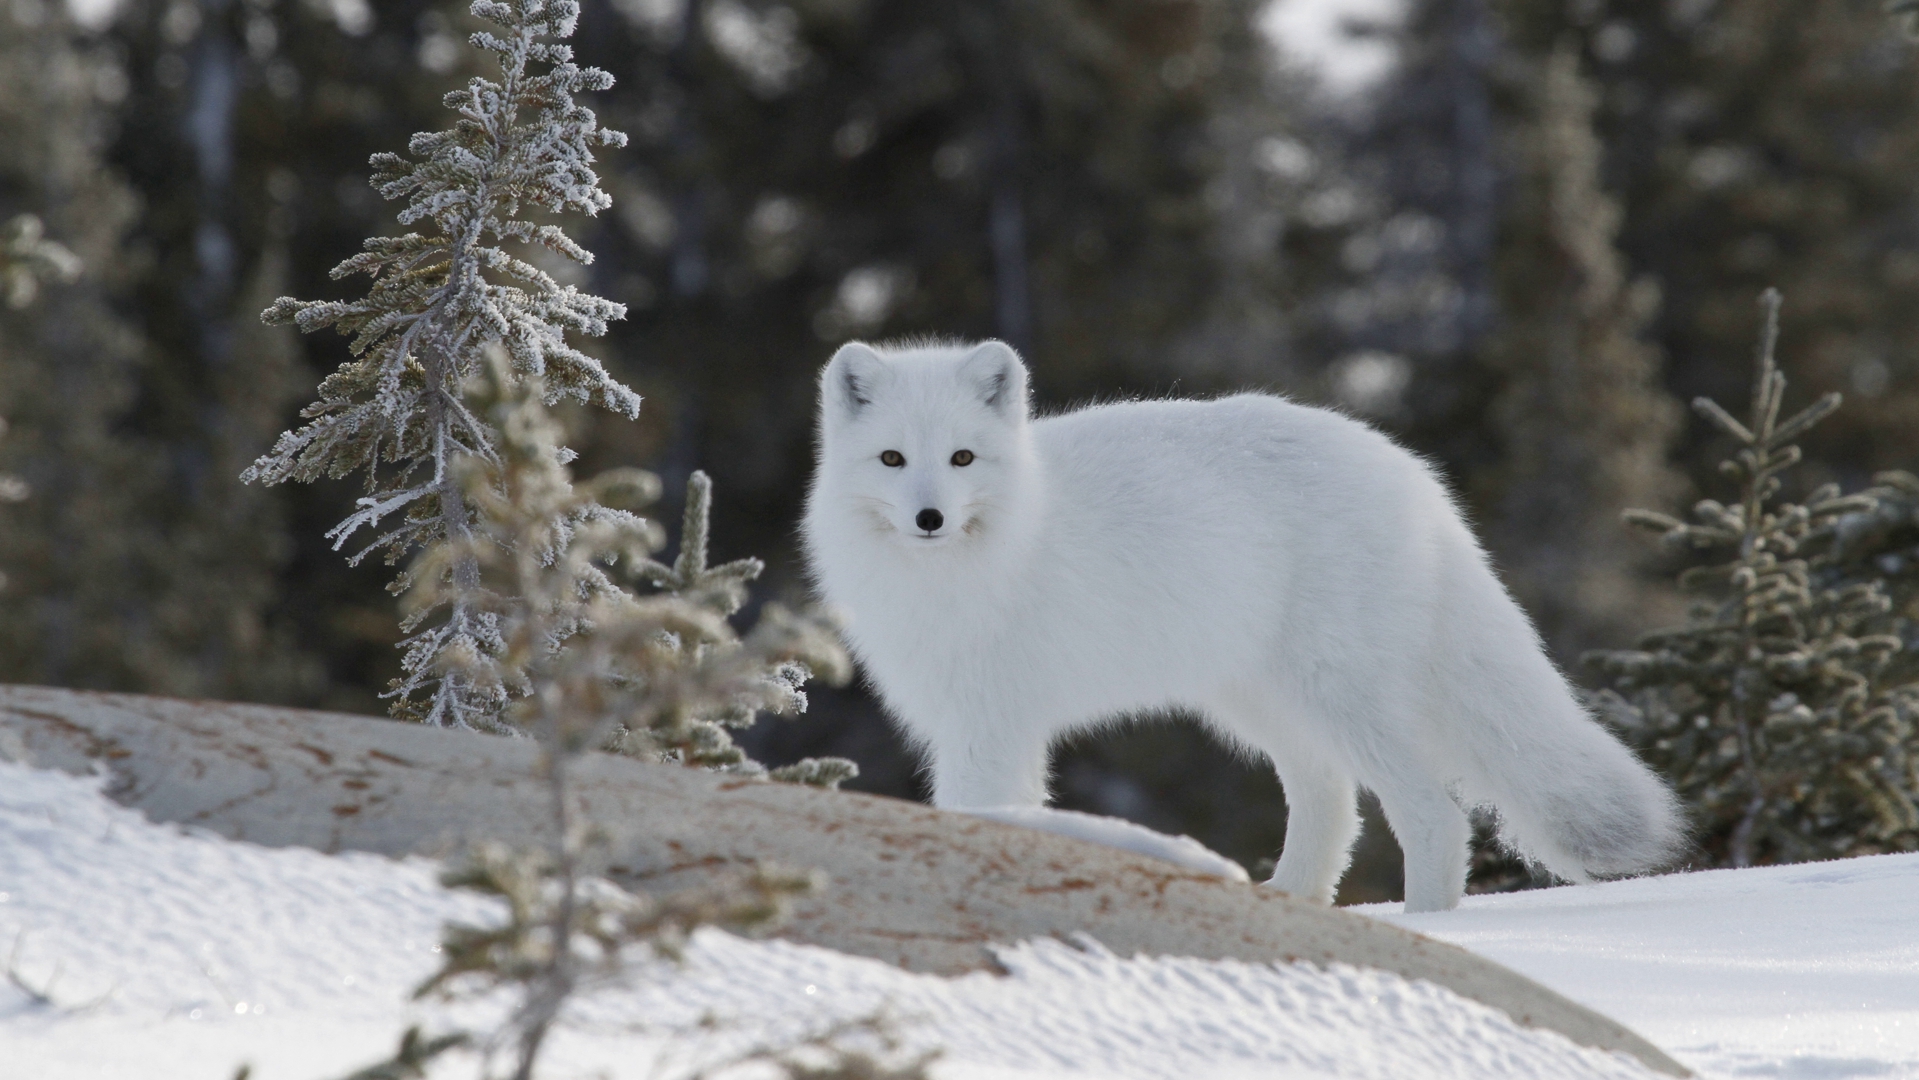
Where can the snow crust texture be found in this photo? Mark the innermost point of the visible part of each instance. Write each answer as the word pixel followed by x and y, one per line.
pixel 1805 971
pixel 183 955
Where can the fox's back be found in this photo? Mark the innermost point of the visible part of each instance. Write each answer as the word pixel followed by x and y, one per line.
pixel 1251 476
pixel 1186 536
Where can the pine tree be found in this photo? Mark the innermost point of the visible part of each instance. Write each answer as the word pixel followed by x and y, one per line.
pixel 521 143
pixel 1880 543
pixel 1426 156
pixel 66 365
pixel 1769 710
pixel 696 735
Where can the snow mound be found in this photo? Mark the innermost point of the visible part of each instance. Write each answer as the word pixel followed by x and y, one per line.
pixel 1115 833
pixel 183 955
pixel 1071 1011
pixel 1806 971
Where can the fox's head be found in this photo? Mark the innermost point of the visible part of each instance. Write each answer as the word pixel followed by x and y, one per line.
pixel 925 444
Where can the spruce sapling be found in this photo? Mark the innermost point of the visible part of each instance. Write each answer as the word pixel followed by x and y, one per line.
pixel 587 663
pixel 395 411
pixel 1769 709
pixel 702 736
pixel 659 674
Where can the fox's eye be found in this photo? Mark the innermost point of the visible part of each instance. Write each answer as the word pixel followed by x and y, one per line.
pixel 892 459
pixel 962 458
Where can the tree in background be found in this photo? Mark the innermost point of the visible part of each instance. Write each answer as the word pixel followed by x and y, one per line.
pixel 1422 214
pixel 418 335
pixel 1058 174
pixel 121 573
pixel 1759 144
pixel 28 258
pixel 1769 709
pixel 1744 145
pixel 1583 420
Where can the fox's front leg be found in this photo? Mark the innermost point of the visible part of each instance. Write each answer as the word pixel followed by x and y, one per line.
pixel 1004 765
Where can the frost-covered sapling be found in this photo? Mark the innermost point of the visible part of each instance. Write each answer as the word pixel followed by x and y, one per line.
pixel 588 664
pixel 394 411
pixel 1769 709
pixel 702 735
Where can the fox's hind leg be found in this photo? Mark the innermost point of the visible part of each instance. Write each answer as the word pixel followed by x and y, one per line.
pixel 1432 832
pixel 1322 821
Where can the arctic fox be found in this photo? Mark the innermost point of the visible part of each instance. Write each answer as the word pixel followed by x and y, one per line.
pixel 1287 573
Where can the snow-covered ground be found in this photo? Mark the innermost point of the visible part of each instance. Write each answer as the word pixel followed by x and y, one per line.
pixel 1783 971
pixel 181 955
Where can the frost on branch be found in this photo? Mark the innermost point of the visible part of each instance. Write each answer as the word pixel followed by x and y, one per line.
pixel 697 733
pixel 587 664
pixel 394 411
pixel 1774 710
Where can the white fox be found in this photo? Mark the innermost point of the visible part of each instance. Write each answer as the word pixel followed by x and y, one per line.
pixel 1287 573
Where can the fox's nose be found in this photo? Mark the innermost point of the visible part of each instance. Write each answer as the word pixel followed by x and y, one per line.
pixel 930 519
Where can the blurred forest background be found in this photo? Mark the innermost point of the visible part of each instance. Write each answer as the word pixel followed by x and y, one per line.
pixel 1515 233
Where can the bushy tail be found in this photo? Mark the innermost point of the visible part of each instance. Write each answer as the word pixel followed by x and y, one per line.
pixel 1569 795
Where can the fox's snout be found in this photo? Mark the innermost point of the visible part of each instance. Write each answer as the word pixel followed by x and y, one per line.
pixel 929 520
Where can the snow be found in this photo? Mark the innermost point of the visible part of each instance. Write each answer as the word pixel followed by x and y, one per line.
pixel 1117 833
pixel 183 955
pixel 1786 971
pixel 93 14
pixel 1318 34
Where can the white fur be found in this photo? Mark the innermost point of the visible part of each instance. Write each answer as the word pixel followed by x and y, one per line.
pixel 1286 572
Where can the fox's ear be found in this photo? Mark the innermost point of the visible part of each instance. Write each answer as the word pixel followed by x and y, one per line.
pixel 999 378
pixel 849 381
